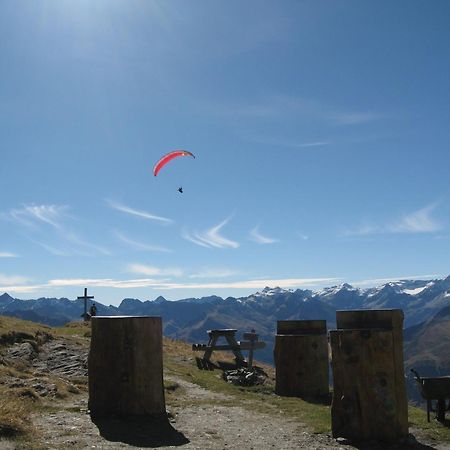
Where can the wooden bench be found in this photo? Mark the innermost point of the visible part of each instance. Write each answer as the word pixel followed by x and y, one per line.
pixel 235 346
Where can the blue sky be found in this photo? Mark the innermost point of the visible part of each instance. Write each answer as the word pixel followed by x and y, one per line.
pixel 320 130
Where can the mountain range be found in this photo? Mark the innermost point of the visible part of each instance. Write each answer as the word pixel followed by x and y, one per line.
pixel 426 306
pixel 419 299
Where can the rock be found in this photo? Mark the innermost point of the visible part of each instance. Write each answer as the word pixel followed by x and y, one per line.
pixel 244 377
pixel 24 351
pixel 16 383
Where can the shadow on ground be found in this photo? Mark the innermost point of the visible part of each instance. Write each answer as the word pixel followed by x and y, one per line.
pixel 140 431
pixel 204 364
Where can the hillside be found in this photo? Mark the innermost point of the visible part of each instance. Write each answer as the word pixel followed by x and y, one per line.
pixel 427 349
pixel 43 386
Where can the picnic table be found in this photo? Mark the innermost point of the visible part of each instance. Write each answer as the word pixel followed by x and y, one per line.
pixel 434 388
pixel 229 334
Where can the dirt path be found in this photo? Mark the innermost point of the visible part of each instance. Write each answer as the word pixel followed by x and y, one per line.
pixel 191 427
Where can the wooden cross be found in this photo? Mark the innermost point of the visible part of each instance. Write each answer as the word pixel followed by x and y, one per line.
pixel 85 297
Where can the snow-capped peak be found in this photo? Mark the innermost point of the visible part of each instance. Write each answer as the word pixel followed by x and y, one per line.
pixel 333 290
pixel 268 291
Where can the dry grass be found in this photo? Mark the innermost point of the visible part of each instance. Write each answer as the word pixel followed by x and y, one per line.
pixel 64 389
pixel 80 329
pixel 14 330
pixel 9 324
pixel 18 371
pixel 14 414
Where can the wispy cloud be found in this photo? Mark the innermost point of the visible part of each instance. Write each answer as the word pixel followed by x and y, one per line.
pixel 86 245
pixel 442 237
pixel 279 105
pixel 211 237
pixel 8 255
pixel 285 283
pixel 354 118
pixel 194 239
pixel 71 244
pixel 302 143
pixel 329 113
pixel 48 223
pixel 33 215
pixel 137 212
pixel 256 236
pixel 152 271
pixel 283 142
pixel 140 246
pixel 79 282
pixel 104 282
pixel 380 281
pixel 420 221
pixel 365 229
pixel 313 144
pixel 12 279
pixel 20 287
pixel 214 273
pixel 55 251
pixel 303 236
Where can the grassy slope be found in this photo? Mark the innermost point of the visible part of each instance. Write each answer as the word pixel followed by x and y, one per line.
pixel 428 345
pixel 426 351
pixel 16 407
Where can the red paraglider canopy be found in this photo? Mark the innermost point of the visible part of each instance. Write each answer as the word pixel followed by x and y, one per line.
pixel 167 158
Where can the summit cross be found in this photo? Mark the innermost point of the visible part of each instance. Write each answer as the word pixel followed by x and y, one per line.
pixel 85 297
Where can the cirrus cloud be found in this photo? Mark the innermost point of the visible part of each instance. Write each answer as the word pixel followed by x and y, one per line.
pixel 34 215
pixel 154 271
pixel 47 226
pixel 140 246
pixel 18 284
pixel 211 237
pixel 257 237
pixel 137 212
pixel 8 255
pixel 420 221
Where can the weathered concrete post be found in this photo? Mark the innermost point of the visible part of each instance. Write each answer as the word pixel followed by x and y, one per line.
pixel 125 366
pixel 301 359
pixel 369 398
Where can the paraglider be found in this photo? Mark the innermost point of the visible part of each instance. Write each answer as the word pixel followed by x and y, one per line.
pixel 167 158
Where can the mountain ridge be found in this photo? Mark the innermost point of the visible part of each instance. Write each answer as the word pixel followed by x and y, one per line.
pixel 189 318
pixel 420 300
